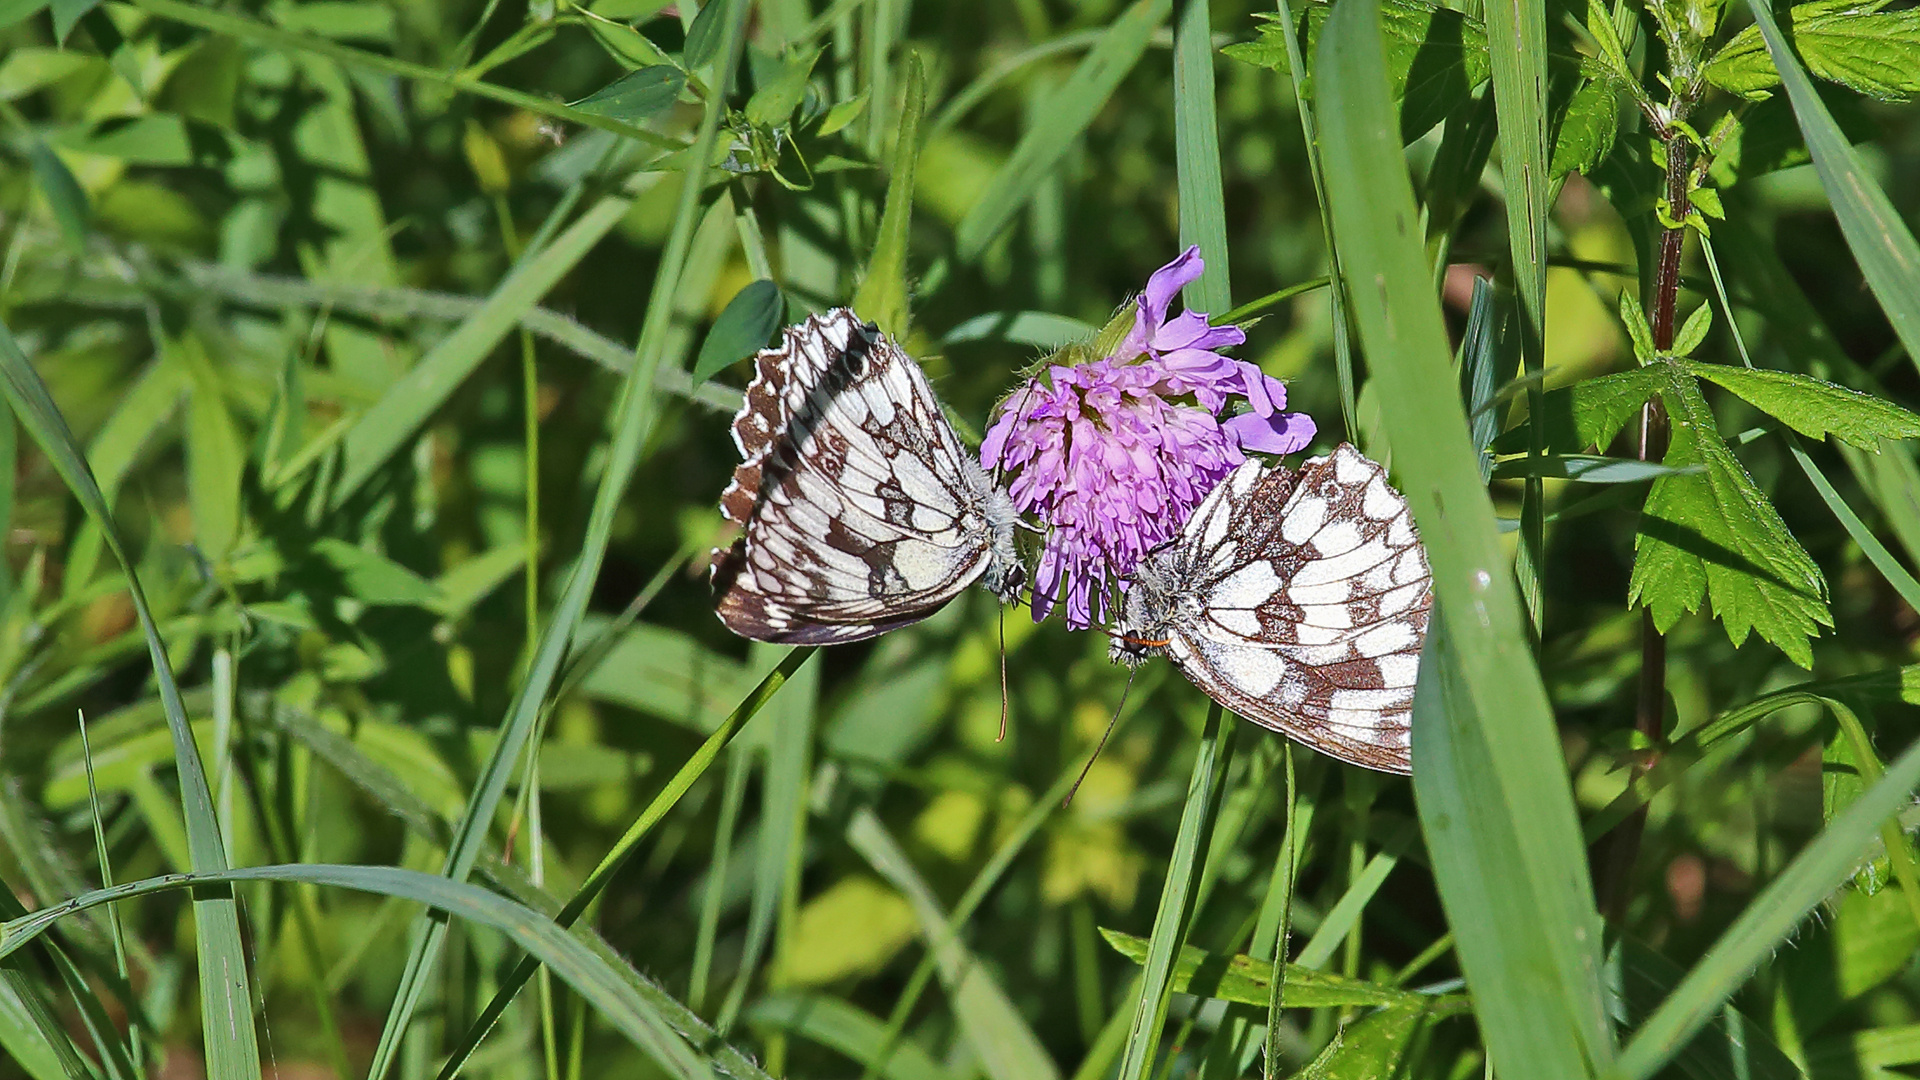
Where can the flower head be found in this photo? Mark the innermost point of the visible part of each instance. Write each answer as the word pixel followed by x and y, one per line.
pixel 1114 454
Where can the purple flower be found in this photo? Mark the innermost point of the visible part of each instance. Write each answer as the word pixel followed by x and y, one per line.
pixel 1112 455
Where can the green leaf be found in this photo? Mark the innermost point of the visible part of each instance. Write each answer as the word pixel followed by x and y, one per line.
pixel 67 14
pixel 1731 1040
pixel 843 113
pixel 1196 144
pixel 882 296
pixel 704 35
pixel 1693 331
pixel 773 104
pixel 1587 413
pixel 216 459
pixel 1713 535
pixel 1814 407
pixel 1068 111
pixel 637 95
pixel 1370 1047
pixel 1586 129
pixel 1247 981
pixel 1876 53
pixel 63 193
pixel 1586 468
pixel 849 1029
pixel 1515 887
pixel 742 329
pixel 1638 331
pixel 1600 25
pixel 375 580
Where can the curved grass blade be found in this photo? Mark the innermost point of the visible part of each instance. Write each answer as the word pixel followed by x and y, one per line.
pixel 1820 868
pixel 226 993
pixel 882 295
pixel 1072 108
pixel 1889 258
pixel 591 976
pixel 1515 887
pixel 635 417
pixel 854 1032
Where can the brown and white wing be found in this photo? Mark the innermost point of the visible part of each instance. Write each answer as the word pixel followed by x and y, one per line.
pixel 858 504
pixel 1314 604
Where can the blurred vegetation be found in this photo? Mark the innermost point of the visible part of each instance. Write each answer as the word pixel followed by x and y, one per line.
pixel 340 301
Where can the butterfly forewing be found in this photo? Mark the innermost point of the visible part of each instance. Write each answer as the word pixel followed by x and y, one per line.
pixel 860 509
pixel 1310 596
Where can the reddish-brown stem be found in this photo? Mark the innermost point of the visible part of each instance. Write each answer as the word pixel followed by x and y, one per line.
pixel 1650 698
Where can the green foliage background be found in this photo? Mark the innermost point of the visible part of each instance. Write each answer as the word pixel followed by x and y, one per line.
pixel 374 362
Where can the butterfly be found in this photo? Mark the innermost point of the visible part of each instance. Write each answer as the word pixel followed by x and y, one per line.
pixel 861 511
pixel 1299 601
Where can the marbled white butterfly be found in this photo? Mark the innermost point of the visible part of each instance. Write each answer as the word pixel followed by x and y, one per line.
pixel 1299 601
pixel 861 510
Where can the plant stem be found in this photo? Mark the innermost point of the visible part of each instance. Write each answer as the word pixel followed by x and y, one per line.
pixel 1650 704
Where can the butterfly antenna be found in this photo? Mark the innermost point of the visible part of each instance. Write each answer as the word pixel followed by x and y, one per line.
pixel 1003 674
pixel 1104 736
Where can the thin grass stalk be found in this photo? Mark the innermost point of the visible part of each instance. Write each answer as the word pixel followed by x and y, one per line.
pixel 739 764
pixel 636 413
pixel 1286 872
pixel 1184 870
pixel 106 882
pixel 669 797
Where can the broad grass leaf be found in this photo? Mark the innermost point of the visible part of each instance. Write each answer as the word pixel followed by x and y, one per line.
pixel 1247 981
pixel 1371 1047
pixel 742 329
pixel 637 95
pixel 835 1023
pixel 882 296
pixel 1876 53
pixel 1814 407
pixel 1515 888
pixel 1196 142
pixel 1714 535
pixel 1586 468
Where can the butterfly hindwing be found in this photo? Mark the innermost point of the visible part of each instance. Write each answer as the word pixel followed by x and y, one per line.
pixel 1307 602
pixel 860 509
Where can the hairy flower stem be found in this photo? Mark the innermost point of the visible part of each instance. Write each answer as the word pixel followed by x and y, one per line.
pixel 1650 704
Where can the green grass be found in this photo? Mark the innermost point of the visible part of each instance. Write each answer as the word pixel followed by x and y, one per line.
pixel 374 364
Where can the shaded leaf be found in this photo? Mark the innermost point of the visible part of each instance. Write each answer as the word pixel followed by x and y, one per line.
pixel 772 105
pixel 742 329
pixel 63 193
pixel 1247 981
pixel 1714 535
pixel 637 95
pixel 1586 129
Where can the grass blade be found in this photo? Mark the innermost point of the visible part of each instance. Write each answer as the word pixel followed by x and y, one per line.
pixel 226 994
pixel 1196 132
pixel 592 976
pixel 1170 921
pixel 1007 1047
pixel 882 295
pixel 1072 108
pixel 636 413
pixel 1517 45
pixel 1822 867
pixel 396 420
pixel 1485 742
pixel 1889 258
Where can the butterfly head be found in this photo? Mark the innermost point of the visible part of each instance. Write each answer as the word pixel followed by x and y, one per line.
pixel 1150 609
pixel 1006 575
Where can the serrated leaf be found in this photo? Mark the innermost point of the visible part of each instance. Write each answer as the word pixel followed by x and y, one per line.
pixel 1586 414
pixel 1876 53
pixel 1713 535
pixel 1707 201
pixel 1435 56
pixel 1693 331
pixel 1814 407
pixel 1637 329
pixel 742 329
pixel 1600 25
pixel 1587 127
pixel 1244 980
pixel 1370 1047
pixel 637 95
pixel 772 105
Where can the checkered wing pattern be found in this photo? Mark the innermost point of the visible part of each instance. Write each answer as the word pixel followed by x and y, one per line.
pixel 860 509
pixel 1308 596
